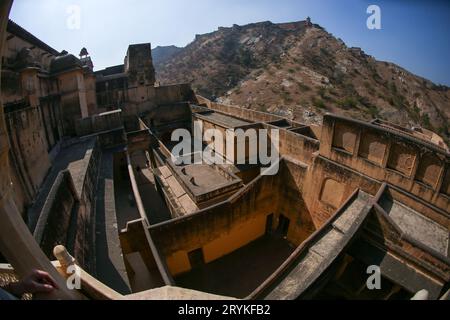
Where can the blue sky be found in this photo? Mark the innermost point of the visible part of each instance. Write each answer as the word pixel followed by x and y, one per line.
pixel 414 34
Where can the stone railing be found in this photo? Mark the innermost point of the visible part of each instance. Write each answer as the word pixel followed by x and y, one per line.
pixel 91 288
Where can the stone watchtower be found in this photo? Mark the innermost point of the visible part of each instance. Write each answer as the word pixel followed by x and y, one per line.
pixel 139 65
pixel 86 59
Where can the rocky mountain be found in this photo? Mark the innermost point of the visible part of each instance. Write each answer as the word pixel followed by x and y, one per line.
pixel 302 71
pixel 161 54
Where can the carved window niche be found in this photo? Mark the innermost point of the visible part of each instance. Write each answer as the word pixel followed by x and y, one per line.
pixel 429 170
pixel 372 148
pixel 332 193
pixel 344 138
pixel 402 159
pixel 445 189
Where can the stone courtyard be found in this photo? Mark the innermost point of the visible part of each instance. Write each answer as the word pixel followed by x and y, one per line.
pixel 86 166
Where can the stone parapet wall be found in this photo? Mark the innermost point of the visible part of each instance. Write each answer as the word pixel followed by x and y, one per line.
pixel 248 114
pixel 56 217
pixel 416 166
pixel 30 161
pixel 67 217
pixel 99 123
pixel 173 94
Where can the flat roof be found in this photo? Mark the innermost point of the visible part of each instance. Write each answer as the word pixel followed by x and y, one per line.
pixel 203 175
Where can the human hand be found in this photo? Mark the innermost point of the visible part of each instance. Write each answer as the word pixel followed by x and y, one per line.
pixel 37 282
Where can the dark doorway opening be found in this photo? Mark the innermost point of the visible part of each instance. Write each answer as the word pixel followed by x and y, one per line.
pixel 283 226
pixel 269 224
pixel 196 258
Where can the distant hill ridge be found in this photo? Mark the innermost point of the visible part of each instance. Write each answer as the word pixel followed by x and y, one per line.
pixel 301 71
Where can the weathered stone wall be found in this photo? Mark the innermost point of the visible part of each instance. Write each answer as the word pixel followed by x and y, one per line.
pixel 382 154
pixel 228 226
pixel 139 100
pixel 413 165
pixel 292 143
pixel 113 138
pixel 145 99
pixel 85 233
pixel 296 145
pixel 67 216
pixel 219 230
pixel 351 155
pixel 330 185
pixel 11 86
pixel 54 225
pixel 292 203
pixel 137 245
pixel 167 117
pixel 73 99
pixel 51 115
pixel 29 152
pixel 99 123
pixel 5 180
pixel 111 93
pixel 139 65
pixel 252 115
pixel 173 94
pixel 14 46
pixel 32 112
pixel 91 96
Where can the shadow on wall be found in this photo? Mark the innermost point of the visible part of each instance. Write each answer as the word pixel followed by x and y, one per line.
pixel 292 204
